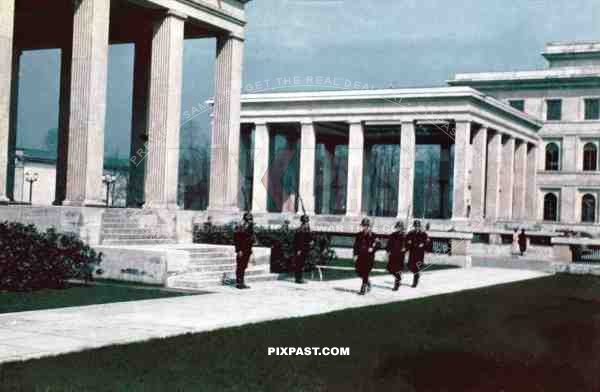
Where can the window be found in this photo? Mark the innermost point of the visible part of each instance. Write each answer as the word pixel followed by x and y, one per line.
pixel 592 109
pixel 518 104
pixel 553 109
pixel 588 208
pixel 590 157
pixel 550 207
pixel 552 157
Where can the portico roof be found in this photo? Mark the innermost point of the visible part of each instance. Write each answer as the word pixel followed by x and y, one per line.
pixel 390 106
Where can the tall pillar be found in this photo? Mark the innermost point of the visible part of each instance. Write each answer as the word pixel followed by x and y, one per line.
pixel 139 121
pixel 531 183
pixel 260 180
pixel 164 113
pixel 88 103
pixel 308 146
pixel 506 178
pixel 224 169
pixel 520 181
pixel 7 18
pixel 494 161
pixel 478 174
pixel 407 170
pixel 356 142
pixel 62 153
pixel 462 136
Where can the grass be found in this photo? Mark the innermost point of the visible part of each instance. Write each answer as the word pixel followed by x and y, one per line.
pixel 536 335
pixel 79 295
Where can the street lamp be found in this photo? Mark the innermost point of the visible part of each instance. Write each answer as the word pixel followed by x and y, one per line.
pixel 108 180
pixel 31 178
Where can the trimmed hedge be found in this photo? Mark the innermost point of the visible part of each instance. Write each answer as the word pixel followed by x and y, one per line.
pixel 280 241
pixel 32 260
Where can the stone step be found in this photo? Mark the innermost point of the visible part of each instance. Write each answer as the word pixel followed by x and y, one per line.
pixel 140 236
pixel 211 260
pixel 146 241
pixel 191 283
pixel 133 226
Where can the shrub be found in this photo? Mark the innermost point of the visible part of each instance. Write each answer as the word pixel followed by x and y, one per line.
pixel 280 241
pixel 33 260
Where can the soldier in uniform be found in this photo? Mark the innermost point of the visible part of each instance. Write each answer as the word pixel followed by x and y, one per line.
pixel 417 240
pixel 302 240
pixel 365 245
pixel 396 248
pixel 243 239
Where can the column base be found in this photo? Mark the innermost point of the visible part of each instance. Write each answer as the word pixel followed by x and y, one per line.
pixel 4 200
pixel 160 206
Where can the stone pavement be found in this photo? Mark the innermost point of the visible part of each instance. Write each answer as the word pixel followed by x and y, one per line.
pixel 40 333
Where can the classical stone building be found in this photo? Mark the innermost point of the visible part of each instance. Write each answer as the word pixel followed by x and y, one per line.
pixel 566 98
pixel 83 30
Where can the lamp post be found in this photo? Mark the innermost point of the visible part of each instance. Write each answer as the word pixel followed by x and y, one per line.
pixel 31 178
pixel 108 180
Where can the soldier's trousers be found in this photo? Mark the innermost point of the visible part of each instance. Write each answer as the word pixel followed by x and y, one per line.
pixel 241 265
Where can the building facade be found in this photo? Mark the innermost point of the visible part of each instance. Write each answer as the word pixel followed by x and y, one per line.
pixel 566 98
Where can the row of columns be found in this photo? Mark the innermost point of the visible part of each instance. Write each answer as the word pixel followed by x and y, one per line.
pixel 502 177
pixel 502 172
pixel 156 110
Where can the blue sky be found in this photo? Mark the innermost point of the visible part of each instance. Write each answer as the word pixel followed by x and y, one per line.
pixel 379 43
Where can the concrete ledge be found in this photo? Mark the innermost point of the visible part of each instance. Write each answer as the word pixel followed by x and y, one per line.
pixel 430 258
pixel 577 268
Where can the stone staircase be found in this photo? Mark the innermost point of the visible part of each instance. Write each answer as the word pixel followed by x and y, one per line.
pixel 214 265
pixel 135 227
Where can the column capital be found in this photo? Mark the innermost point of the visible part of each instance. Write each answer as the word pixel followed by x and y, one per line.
pixel 354 121
pixel 259 122
pixel 307 121
pixel 176 14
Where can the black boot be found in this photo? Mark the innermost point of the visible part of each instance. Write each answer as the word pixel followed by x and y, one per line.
pixel 368 286
pixel 415 280
pixel 299 277
pixel 240 282
pixel 397 282
pixel 363 289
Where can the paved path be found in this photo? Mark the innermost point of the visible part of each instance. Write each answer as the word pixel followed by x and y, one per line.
pixel 40 333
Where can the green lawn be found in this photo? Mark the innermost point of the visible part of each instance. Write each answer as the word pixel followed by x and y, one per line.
pixel 78 295
pixel 537 335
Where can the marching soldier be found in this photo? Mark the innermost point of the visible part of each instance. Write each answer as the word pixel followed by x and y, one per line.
pixel 396 248
pixel 417 240
pixel 243 239
pixel 302 240
pixel 365 246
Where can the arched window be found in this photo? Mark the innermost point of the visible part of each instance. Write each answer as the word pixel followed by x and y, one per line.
pixel 590 157
pixel 552 157
pixel 550 207
pixel 588 208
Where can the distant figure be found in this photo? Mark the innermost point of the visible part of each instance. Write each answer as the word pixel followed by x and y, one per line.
pixel 243 239
pixel 302 240
pixel 207 229
pixel 417 240
pixel 396 248
pixel 522 242
pixel 364 254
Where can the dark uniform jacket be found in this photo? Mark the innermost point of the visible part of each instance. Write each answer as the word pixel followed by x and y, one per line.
pixel 417 243
pixel 396 248
pixel 365 246
pixel 243 239
pixel 302 242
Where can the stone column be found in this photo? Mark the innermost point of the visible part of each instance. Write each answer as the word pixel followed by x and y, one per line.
pixel 308 146
pixel 62 155
pixel 139 121
pixel 520 181
pixel 506 179
pixel 7 17
pixel 260 181
pixel 478 174
pixel 462 136
pixel 164 113
pixel 494 162
pixel 407 170
pixel 224 167
pixel 531 183
pixel 355 169
pixel 88 103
